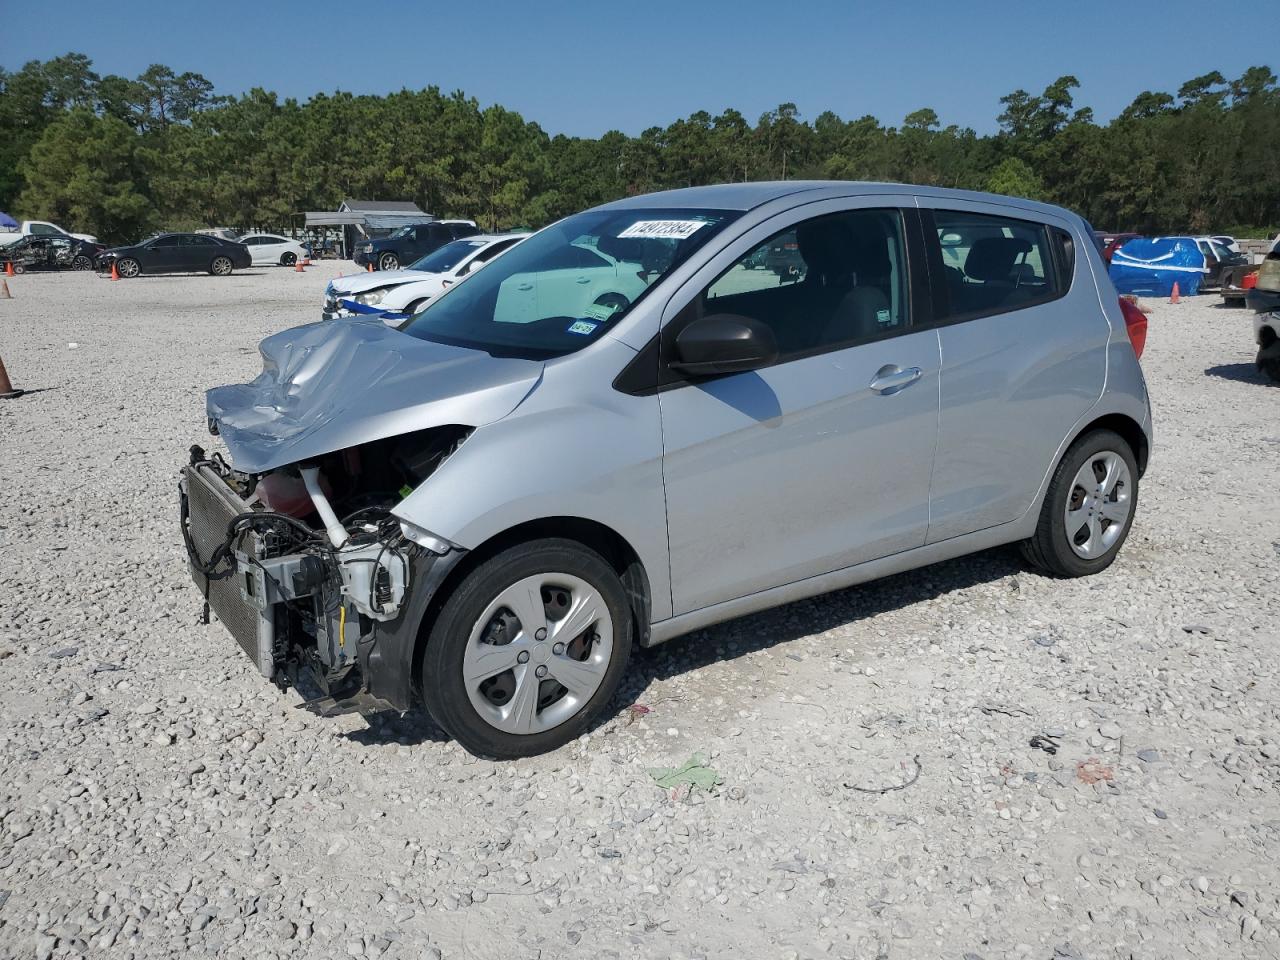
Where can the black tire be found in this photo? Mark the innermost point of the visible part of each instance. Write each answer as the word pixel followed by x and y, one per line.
pixel 1049 548
pixel 128 268
pixel 443 688
pixel 288 258
pixel 221 267
pixel 388 261
pixel 81 262
pixel 1269 356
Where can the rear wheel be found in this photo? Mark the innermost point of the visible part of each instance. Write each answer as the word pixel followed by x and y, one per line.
pixel 388 261
pixel 128 268
pixel 221 267
pixel 528 649
pixel 1088 508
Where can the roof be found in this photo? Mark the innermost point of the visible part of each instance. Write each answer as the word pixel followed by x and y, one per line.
pixel 381 206
pixel 747 196
pixel 324 218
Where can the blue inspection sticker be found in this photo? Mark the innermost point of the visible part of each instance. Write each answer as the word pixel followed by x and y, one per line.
pixel 583 326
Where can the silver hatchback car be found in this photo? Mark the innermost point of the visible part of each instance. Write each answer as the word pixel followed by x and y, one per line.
pixel 629 427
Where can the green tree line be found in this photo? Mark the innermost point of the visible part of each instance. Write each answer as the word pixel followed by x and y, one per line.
pixel 122 157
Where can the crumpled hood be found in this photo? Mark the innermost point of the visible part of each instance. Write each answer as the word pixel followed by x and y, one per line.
pixel 360 282
pixel 328 386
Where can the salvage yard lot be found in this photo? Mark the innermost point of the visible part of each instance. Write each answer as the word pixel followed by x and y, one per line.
pixel 158 799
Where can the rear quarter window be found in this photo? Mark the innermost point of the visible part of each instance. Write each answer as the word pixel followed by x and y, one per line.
pixel 993 264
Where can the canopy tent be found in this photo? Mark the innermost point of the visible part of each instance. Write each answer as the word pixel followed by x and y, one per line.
pixel 1150 266
pixel 7 221
pixel 360 219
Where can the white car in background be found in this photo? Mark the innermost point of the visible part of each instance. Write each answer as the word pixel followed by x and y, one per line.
pixel 581 283
pixel 395 294
pixel 269 248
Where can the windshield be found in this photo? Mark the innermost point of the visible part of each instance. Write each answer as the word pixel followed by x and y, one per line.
pixel 565 286
pixel 447 257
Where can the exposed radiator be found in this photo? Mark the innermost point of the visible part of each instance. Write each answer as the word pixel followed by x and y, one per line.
pixel 210 507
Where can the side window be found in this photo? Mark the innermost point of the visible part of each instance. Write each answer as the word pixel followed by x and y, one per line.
pixel 192 240
pixel 997 264
pixel 43 230
pixel 169 241
pixel 827 283
pixel 484 256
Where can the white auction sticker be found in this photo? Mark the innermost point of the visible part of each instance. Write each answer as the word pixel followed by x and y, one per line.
pixel 663 229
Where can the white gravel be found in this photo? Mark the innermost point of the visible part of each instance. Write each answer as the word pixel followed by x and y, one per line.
pixel 158 799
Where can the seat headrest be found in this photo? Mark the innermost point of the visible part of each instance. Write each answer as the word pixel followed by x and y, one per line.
pixel 832 248
pixel 992 258
pixel 824 245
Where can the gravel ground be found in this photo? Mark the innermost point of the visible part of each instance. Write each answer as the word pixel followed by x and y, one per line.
pixel 158 799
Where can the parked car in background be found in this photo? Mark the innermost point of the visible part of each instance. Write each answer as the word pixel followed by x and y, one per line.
pixel 1218 261
pixel 411 243
pixel 1263 298
pixel 222 233
pixel 782 257
pixel 269 248
pixel 1109 243
pixel 50 253
pixel 395 294
pixel 177 253
pixel 1228 242
pixel 618 432
pixel 40 228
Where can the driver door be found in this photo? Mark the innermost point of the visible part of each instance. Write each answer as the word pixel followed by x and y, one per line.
pixel 821 460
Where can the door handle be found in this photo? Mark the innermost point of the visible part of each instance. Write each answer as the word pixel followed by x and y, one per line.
pixel 584 280
pixel 891 378
pixel 525 286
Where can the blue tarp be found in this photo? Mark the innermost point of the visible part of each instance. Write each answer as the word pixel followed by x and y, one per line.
pixel 1150 266
pixel 7 221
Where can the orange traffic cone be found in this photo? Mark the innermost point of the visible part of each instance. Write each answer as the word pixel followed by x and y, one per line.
pixel 306 261
pixel 6 388
pixel 115 274
pixel 4 290
pixel 1174 298
pixel 8 269
pixel 339 274
pixel 297 267
pixel 371 268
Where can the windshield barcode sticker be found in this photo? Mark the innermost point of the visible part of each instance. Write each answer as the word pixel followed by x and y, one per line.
pixel 663 229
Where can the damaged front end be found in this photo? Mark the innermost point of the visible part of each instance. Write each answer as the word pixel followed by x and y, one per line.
pixel 294 544
pixel 309 571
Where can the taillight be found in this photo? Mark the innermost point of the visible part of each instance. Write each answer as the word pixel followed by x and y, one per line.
pixel 1135 324
pixel 1250 281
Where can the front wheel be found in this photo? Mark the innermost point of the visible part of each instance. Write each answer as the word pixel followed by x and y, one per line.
pixel 128 268
pixel 1088 508
pixel 528 650
pixel 81 262
pixel 221 267
pixel 388 261
pixel 288 259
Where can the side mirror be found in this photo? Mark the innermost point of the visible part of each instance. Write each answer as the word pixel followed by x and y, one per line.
pixel 472 267
pixel 723 343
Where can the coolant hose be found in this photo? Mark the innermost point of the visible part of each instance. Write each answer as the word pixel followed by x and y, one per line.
pixel 337 532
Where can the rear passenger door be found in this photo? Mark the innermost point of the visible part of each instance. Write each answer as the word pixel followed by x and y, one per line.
pixel 1023 344
pixel 822 460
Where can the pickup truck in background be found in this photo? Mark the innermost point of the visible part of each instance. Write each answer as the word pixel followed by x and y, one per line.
pixel 41 228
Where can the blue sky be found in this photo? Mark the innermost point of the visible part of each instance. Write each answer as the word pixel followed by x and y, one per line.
pixel 584 68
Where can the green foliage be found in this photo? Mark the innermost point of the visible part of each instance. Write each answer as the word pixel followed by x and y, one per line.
pixel 1014 178
pixel 118 156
